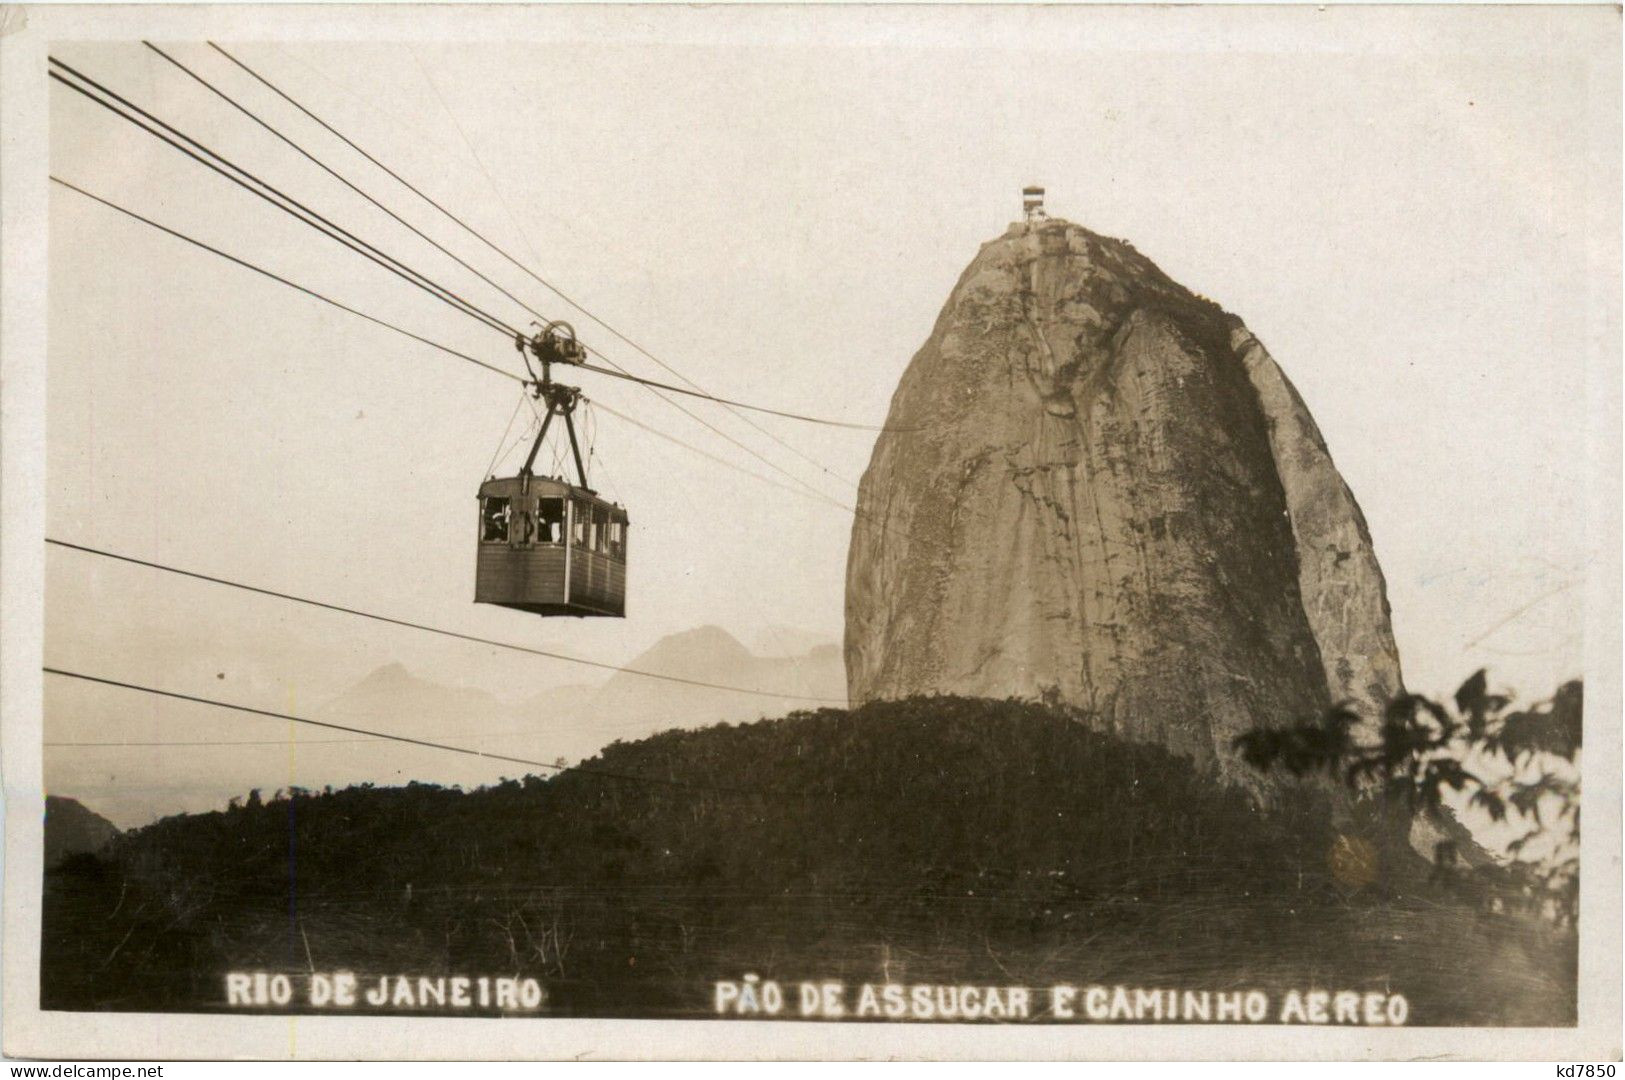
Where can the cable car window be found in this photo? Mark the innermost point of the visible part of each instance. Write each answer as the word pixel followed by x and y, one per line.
pixel 494 520
pixel 616 539
pixel 600 541
pixel 578 534
pixel 550 515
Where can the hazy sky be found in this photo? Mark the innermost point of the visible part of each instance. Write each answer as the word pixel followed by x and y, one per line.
pixel 777 203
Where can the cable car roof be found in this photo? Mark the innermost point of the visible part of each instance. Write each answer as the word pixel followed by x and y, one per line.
pixel 508 486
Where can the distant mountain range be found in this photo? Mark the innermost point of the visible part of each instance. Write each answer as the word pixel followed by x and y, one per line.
pixel 565 723
pixel 392 694
pixel 630 706
pixel 576 719
pixel 786 641
pixel 71 829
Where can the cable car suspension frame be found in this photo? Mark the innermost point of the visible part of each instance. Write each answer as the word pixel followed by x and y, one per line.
pixel 554 343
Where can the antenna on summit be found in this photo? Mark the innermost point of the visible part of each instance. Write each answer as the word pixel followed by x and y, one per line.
pixel 1032 204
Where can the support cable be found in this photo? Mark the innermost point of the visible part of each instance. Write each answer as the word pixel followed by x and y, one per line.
pixel 286 204
pixel 387 736
pixel 340 178
pixel 697 390
pixel 494 643
pixel 245 264
pixel 804 490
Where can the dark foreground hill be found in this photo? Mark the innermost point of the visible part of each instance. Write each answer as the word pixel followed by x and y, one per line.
pixel 930 840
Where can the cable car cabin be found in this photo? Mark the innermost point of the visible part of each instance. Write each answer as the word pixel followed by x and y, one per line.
pixel 550 548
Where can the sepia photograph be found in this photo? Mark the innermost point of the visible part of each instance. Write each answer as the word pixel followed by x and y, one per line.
pixel 811 531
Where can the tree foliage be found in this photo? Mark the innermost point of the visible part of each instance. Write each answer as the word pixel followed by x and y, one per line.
pixel 1513 765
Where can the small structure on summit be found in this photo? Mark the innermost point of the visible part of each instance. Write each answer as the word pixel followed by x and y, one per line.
pixel 1032 205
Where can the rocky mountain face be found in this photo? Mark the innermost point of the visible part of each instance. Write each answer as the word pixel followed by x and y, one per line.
pixel 1098 487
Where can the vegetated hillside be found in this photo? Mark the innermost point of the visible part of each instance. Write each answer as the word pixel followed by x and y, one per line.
pixel 917 841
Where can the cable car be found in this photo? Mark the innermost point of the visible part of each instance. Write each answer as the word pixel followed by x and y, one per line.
pixel 547 546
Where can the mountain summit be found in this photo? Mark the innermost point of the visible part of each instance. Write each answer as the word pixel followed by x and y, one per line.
pixel 1098 487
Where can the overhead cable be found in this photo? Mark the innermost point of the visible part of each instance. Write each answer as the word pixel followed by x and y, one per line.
pixel 234 103
pixel 624 374
pixel 103 553
pixel 245 264
pixel 804 490
pixel 390 737
pixel 697 390
pixel 691 448
pixel 287 204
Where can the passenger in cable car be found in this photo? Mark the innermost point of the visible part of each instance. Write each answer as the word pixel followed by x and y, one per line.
pixel 550 512
pixel 494 522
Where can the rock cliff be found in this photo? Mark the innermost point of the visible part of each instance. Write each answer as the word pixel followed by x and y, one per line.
pixel 1098 487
